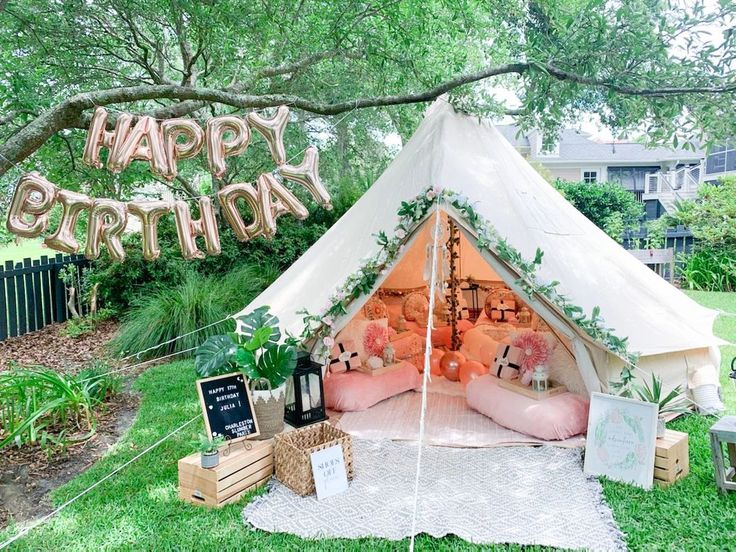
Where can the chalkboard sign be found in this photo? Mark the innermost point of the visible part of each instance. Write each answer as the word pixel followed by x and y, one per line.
pixel 227 407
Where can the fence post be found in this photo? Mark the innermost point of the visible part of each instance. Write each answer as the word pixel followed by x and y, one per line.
pixel 37 297
pixel 59 291
pixel 11 298
pixel 3 307
pixel 30 297
pixel 20 287
pixel 45 274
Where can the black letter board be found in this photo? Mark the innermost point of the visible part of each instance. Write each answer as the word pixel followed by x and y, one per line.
pixel 227 407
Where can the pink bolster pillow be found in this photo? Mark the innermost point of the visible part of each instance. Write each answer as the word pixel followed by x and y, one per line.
pixel 556 418
pixel 353 391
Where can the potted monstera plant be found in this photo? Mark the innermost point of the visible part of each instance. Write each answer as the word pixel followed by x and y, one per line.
pixel 257 350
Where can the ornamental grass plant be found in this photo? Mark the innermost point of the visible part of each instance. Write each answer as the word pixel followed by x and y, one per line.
pixel 197 301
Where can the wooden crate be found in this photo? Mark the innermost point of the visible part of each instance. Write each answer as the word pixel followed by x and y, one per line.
pixel 239 472
pixel 671 460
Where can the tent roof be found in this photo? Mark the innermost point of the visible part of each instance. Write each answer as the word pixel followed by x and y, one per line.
pixel 470 157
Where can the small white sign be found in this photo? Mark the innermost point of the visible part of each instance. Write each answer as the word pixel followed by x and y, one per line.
pixel 330 475
pixel 621 439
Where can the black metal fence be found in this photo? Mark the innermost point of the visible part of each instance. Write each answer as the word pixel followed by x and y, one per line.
pixel 32 295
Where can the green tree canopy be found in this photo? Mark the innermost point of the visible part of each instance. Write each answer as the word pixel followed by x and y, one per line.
pixel 639 62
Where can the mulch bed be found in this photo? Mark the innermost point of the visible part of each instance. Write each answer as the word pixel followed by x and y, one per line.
pixel 51 348
pixel 29 474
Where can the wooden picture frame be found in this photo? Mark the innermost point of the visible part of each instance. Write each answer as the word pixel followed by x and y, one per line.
pixel 621 440
pixel 243 394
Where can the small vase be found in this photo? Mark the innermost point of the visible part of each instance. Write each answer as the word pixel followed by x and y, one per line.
pixel 661 427
pixel 209 459
pixel 268 406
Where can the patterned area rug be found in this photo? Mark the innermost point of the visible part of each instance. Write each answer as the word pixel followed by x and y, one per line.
pixel 450 422
pixel 519 495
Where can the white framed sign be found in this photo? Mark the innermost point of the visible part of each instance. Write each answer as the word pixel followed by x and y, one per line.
pixel 330 475
pixel 621 439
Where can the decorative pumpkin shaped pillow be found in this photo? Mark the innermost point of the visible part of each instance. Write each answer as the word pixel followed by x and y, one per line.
pixel 416 305
pixel 375 308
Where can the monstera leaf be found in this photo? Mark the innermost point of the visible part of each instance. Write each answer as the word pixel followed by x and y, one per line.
pixel 277 363
pixel 260 338
pixel 215 356
pixel 246 363
pixel 254 321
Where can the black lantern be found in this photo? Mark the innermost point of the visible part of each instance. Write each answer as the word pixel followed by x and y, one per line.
pixel 474 308
pixel 304 393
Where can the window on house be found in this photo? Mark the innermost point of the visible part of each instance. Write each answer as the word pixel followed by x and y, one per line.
pixel 590 176
pixel 631 178
pixel 550 144
pixel 721 159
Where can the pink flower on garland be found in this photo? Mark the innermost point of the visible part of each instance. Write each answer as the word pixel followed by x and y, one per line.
pixel 375 339
pixel 535 349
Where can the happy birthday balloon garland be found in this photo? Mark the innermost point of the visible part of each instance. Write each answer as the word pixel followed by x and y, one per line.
pixel 162 144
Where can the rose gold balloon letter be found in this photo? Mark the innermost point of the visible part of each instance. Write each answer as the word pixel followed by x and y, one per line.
pixel 188 229
pixel 306 173
pixel 218 148
pixel 107 220
pixel 72 205
pixel 149 212
pixel 33 198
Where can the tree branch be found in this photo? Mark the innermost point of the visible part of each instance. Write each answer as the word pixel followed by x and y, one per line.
pixel 561 74
pixel 70 113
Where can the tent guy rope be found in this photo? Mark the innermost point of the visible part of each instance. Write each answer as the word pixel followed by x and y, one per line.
pixel 53 513
pixel 425 375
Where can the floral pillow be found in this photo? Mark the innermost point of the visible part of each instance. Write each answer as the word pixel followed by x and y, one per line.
pixel 375 339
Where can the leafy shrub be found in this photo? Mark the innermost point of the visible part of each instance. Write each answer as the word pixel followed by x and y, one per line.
pixel 121 284
pixel 610 207
pixel 77 327
pixel 712 220
pixel 709 269
pixel 197 301
pixel 712 217
pixel 38 405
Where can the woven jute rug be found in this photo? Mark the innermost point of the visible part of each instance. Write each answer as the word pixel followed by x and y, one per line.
pixel 525 495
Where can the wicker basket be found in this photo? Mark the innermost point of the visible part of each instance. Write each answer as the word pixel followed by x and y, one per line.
pixel 292 453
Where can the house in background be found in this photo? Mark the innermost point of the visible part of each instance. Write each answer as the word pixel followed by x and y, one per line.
pixel 576 157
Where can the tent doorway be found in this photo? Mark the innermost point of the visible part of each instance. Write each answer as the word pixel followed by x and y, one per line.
pixel 488 318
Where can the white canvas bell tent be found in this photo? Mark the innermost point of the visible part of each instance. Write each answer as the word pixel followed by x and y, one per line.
pixel 449 151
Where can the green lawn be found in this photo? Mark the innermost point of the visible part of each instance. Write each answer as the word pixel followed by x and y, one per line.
pixel 139 509
pixel 29 248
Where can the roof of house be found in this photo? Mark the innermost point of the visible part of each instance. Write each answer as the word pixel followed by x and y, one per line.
pixel 577 146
